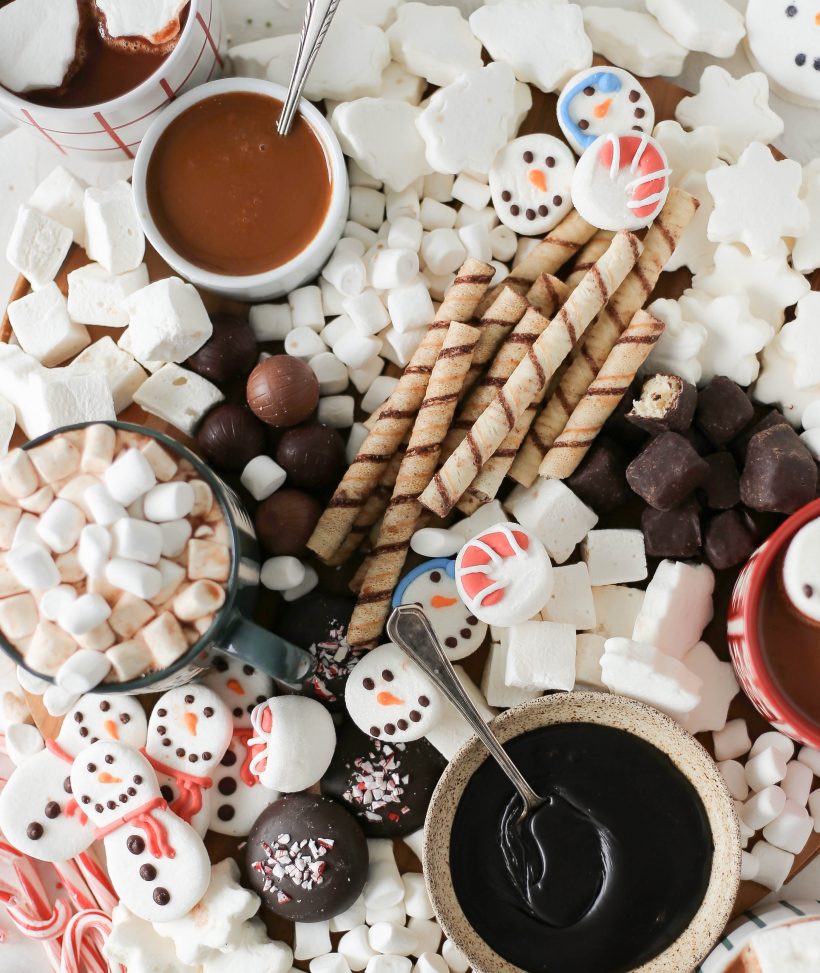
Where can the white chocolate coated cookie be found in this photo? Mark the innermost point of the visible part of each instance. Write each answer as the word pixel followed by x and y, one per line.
pixel 601 100
pixel 783 38
pixel 531 183
pixel 801 571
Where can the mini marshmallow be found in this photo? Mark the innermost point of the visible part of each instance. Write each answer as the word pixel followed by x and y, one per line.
pixel 503 242
pixel 772 738
pixel 59 527
pixel 428 934
pixel 37 246
pixel 270 322
pixel 330 372
pixel 336 411
pixel 43 328
pixel 405 233
pixel 797 783
pixel 442 251
pixel 384 887
pixel 677 607
pixel 26 531
pixel 84 614
pixel 642 672
pixel 122 373
pixel 541 656
pixel 362 378
pixel 23 741
pixel 436 216
pixel 346 271
pixel 334 330
pixel 208 560
pixel 471 192
pixel 379 392
pixel 304 343
pixel 571 599
pixel 488 515
pixel 203 498
pixel 400 348
pixel 356 350
pixel 307 585
pixel 366 207
pixel 168 501
pixel 387 963
pixel 763 807
pixel 614 556
pixel 114 235
pixel 454 957
pixel 39 501
pixel 95 296
pixel 814 809
pixel 476 241
pixel 749 867
pixel 165 639
pixel 55 600
pixel 178 396
pixel 735 777
pixel 137 540
pixel 98 449
pixel 58 702
pixel 9 518
pixel 367 313
pixel 102 507
pixel 439 284
pixel 55 460
pixel 394 915
pixel 350 918
pixel 494 682
pixel 199 600
pixel 410 307
pixel 430 963
pixel 386 937
pixel 60 197
pixel 357 231
pixel 774 865
pixel 467 216
pixel 416 899
pixel 355 440
pixel 18 616
pixel 167 321
pixel 393 268
pixel 134 577
pixel 48 649
pixel 94 550
pixel 175 536
pixel 262 477
pixel 811 758
pixel 129 477
pixel 766 768
pixel 554 514
pixel 83 671
pixel 355 947
pixel 329 963
pixel 310 939
pixel 791 829
pixel 436 542
pixel 282 573
pixel 17 474
pixel 732 741
pixel 439 186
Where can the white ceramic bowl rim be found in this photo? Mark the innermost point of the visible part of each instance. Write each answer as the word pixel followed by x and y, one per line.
pixel 322 130
pixel 122 99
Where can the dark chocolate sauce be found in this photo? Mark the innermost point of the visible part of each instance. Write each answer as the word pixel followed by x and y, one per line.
pixel 604 876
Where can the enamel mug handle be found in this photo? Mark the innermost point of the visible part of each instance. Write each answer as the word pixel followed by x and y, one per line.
pixel 277 658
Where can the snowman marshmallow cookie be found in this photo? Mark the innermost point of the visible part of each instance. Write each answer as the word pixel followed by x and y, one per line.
pixel 38 812
pixel 783 38
pixel 504 575
pixel 432 586
pixel 531 181
pixel 188 734
pixel 600 101
pixel 389 697
pixel 238 798
pixel 621 182
pixel 157 863
pixel 293 743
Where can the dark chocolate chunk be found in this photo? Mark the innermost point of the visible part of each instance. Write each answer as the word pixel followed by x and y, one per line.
pixel 667 403
pixel 283 391
pixel 666 471
pixel 600 480
pixel 741 443
pixel 721 488
pixel 285 521
pixel 780 474
pixel 728 540
pixel 229 353
pixel 230 436
pixel 723 411
pixel 313 456
pixel 672 533
pixel 617 425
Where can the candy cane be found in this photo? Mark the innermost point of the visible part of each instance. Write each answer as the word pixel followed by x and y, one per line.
pixel 75 885
pixel 98 881
pixel 78 945
pixel 32 898
pixel 34 926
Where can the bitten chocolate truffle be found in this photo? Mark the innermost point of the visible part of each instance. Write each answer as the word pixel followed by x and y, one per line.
pixel 780 474
pixel 667 403
pixel 728 540
pixel 285 521
pixel 723 411
pixel 229 353
pixel 387 786
pixel 313 456
pixel 306 857
pixel 600 480
pixel 230 436
pixel 672 533
pixel 283 391
pixel 666 471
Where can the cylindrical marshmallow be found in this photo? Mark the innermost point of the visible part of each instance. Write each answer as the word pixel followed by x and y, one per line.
pixel 55 600
pixel 774 865
pixel 360 232
pixel 394 914
pixel 431 963
pixel 94 549
pixel 405 233
pixel 749 867
pixel 386 937
pixel 58 701
pixel 132 576
pixel 389 964
pixel 400 348
pixel 814 805
pixel 84 614
pixel 32 566
pixel 367 313
pixel 304 343
pixel 98 449
pixel 476 241
pixel 330 372
pixel 439 186
pixel 309 582
pixel 104 509
pixel 60 526
pixel 436 216
pixel 350 244
pixel 198 600
pixel 362 378
pixel 129 477
pixel 350 918
pixel 332 299
pixel 137 540
pixel 454 957
pixel 797 782
pixel 402 205
pixel 379 392
pixel 336 411
pixel 774 739
pixel 732 741
pixel 355 947
pixel 356 349
pixel 384 887
pixel 366 207
pixel 410 307
pixel 735 777
pixel 436 542
pixel 791 829
pixel 17 474
pixel 262 477
pixel 346 270
pixel 416 900
pixel 82 671
pixel 393 268
pixel 811 758
pixel 442 251
pixel 270 322
pixel 768 767
pixel 334 329
pixel 467 216
pixel 282 573
pixel 310 939
pixel 329 963
pixel 175 535
pixel 763 807
pixel 306 307
pixel 427 932
pixel 355 440
pixel 503 242
pixel 471 192
pixel 168 501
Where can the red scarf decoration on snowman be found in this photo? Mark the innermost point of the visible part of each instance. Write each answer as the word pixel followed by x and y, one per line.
pixel 156 836
pixel 189 801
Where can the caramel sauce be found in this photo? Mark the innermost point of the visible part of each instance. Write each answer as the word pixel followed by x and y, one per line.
pixel 232 196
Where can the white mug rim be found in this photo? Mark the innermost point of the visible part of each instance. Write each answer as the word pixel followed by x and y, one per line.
pixel 226 282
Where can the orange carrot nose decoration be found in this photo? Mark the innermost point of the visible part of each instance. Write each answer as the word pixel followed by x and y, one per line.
pixel 190 721
pixel 235 686
pixel 601 110
pixel 817 19
pixel 538 178
pixel 388 699
pixel 439 601
pixel 112 729
pixel 106 778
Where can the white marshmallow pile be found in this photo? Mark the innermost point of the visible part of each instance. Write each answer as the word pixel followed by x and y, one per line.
pixel 115 558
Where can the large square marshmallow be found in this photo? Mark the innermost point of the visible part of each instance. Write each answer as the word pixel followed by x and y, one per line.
pixel 59 397
pixel 167 321
pixel 37 246
pixel 494 679
pixel 45 331
pixel 541 656
pixel 616 608
pixel 677 607
pixel 96 297
pixel 571 599
pixel 179 396
pixel 642 672
pixel 123 374
pixel 614 556
pixel 114 235
pixel 60 196
pixel 554 514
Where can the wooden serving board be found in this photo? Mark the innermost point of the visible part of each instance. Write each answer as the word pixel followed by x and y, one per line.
pixel 542 118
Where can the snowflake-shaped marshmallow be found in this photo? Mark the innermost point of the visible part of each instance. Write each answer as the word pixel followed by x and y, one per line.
pixel 687 151
pixel 757 202
pixel 135 945
pixel 739 107
pixel 634 41
pixel 679 346
pixel 806 252
pixel 776 385
pixel 800 338
pixel 695 250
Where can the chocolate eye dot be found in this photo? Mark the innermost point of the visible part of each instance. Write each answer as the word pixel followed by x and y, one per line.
pixel 34 831
pixel 189 699
pixel 91 768
pixel 161 730
pixel 124 718
pixel 220 665
pixel 506 195
pixel 634 96
pixel 542 211
pixel 465 633
pixel 451 642
pixel 78 717
pixel 414 715
pixel 528 156
pixel 111 805
pixel 162 712
pixel 368 683
pixel 180 752
pixel 375 731
pixel 402 724
pixel 137 779
pixel 250 707
pixel 99 808
pixel 260 699
pixel 472 620
pixel 550 162
pixel 808 591
pixel 387 675
pixel 424 701
pixel 589 91
pixel 791 10
pixel 208 712
pixel 131 791
pixel 105 706
pixel 237 711
pixel 83 731
pixel 817 64
pixel 639 113
pixel 207 755
pixel 248 670
pixel 515 210
pixel 557 200
pixel 94 739
pixel 800 60
pixel 166 742
pixel 389 729
pixel 109 759
pixel 583 124
pixel 435 576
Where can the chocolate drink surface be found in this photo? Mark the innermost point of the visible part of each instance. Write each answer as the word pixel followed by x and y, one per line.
pixel 603 877
pixel 231 196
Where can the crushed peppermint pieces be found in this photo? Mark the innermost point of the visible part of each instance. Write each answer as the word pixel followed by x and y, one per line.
pixel 299 861
pixel 334 660
pixel 377 783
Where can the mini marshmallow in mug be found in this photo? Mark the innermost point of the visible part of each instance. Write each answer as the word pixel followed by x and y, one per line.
pixel 599 101
pixel 621 182
pixel 432 586
pixel 389 697
pixel 504 575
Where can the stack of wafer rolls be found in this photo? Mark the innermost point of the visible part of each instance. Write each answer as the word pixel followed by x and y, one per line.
pixel 659 243
pixel 532 374
pixel 397 416
pixel 587 255
pixel 386 560
pixel 602 397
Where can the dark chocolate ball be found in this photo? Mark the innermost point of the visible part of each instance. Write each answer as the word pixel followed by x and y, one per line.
pixel 283 391
pixel 313 456
pixel 230 436
pixel 229 353
pixel 285 521
pixel 326 877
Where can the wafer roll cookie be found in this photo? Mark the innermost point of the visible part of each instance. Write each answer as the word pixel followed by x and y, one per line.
pixel 532 375
pixel 587 256
pixel 659 243
pixel 602 397
pixel 547 257
pixel 386 561
pixel 396 418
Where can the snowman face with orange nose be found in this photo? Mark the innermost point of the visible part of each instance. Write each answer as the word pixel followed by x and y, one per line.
pixel 602 100
pixel 530 181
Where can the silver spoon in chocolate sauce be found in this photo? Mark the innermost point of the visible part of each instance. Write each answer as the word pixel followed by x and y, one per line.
pixel 410 629
pixel 318 15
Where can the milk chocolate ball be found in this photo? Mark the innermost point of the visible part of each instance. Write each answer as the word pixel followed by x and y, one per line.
pixel 229 353
pixel 230 436
pixel 285 521
pixel 283 391
pixel 313 456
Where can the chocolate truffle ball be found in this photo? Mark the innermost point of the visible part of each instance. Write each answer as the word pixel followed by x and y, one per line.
pixel 387 786
pixel 327 873
pixel 229 353
pixel 285 521
pixel 230 436
pixel 313 456
pixel 283 391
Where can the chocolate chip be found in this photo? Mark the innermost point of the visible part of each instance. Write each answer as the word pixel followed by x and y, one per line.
pixel 666 471
pixel 83 731
pixel 515 210
pixel 109 759
pixel 229 759
pixel 557 200
pixel 634 96
pixel 34 831
pixel 162 896
pixel 189 699
pixel 451 642
pixel 550 161
pixel 99 808
pixel 111 805
pixel 192 758
pixel 52 809
pixel 206 755
pixel 131 791
pixel 67 785
pixel 148 872
pixel 105 706
pixel 167 792
pixel 375 731
pixel 465 633
pixel 135 844
pixel 389 729
pixel 161 730
pixel 542 210
pixel 137 779
pixel 583 124
pixel 506 195
pixel 225 812
pixel 530 214
pixel 800 60
pixel 387 675
pixel 180 751
pixel 125 718
pixel 368 683
pixel 91 768
pixel 589 91
pixel 162 712
pixel 528 156
pixel 402 724
pixel 639 113
pixel 78 717
pixel 226 786
pixel 208 712
pixel 424 701
pixel 166 742
pixel 123 798
pixel 808 591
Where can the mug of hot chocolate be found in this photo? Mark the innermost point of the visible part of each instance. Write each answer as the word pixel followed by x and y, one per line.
pixel 89 76
pixel 125 558
pixel 774 627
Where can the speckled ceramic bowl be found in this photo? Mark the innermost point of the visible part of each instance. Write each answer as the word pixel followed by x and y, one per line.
pixel 684 954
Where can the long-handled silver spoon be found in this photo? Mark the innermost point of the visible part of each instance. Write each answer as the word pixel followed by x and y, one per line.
pixel 411 630
pixel 318 16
